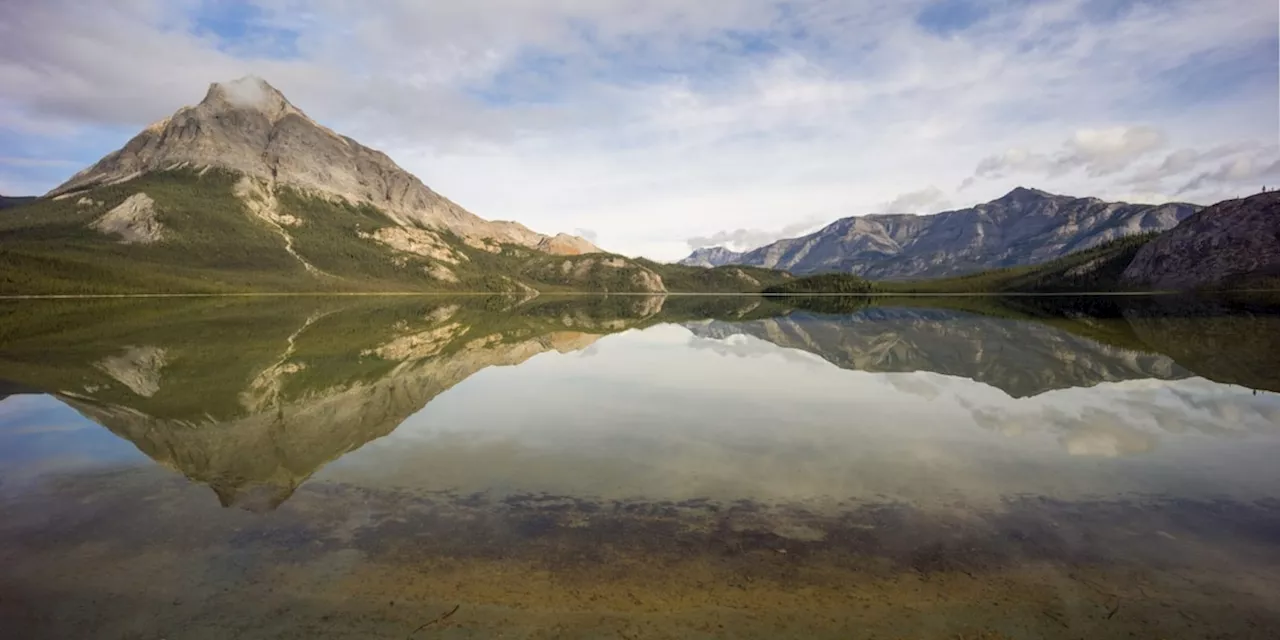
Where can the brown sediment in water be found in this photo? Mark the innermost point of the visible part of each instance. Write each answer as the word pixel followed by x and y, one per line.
pixel 143 554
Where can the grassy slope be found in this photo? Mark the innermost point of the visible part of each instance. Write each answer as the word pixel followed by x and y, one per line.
pixel 51 249
pixel 727 279
pixel 217 246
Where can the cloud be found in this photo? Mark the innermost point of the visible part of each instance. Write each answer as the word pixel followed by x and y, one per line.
pixel 1013 161
pixel 1216 172
pixel 1105 151
pixel 915 385
pixel 1209 174
pixel 246 91
pixel 744 346
pixel 1099 152
pixel 655 122
pixel 1093 432
pixel 747 239
pixel 1250 171
pixel 590 235
pixel 1107 441
pixel 1179 161
pixel 927 200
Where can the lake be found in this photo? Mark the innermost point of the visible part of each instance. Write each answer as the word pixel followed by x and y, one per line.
pixel 640 467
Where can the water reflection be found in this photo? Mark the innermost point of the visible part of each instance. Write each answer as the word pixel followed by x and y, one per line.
pixel 643 466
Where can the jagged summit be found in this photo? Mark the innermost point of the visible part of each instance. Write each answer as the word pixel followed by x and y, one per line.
pixel 1025 226
pixel 249 127
pixel 1023 194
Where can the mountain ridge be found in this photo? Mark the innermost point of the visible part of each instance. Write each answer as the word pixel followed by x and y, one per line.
pixel 249 127
pixel 243 192
pixel 1235 243
pixel 1025 226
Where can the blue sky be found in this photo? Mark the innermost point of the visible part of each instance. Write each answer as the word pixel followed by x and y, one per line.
pixel 661 125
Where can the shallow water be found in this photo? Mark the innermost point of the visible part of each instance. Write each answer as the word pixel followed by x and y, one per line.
pixel 634 467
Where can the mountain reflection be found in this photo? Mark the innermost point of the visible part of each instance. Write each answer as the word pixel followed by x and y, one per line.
pixel 252 397
pixel 1021 358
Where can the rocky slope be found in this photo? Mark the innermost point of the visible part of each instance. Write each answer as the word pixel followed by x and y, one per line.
pixel 248 127
pixel 1231 244
pixel 1024 227
pixel 712 257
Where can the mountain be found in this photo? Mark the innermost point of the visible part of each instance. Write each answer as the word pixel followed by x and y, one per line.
pixel 712 257
pixel 1026 226
pixel 245 193
pixel 253 396
pixel 953 343
pixel 1092 270
pixel 13 201
pixel 248 127
pixel 1233 244
pixel 1056 341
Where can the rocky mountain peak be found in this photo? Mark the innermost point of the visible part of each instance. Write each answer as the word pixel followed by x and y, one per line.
pixel 248 127
pixel 1024 194
pixel 711 257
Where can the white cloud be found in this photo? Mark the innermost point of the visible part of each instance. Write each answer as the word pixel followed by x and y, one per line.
pixel 927 200
pixel 1245 170
pixel 1105 151
pixel 746 239
pixel 655 122
pixel 1098 152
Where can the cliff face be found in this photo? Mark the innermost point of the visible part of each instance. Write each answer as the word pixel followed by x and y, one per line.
pixel 1026 226
pixel 1233 243
pixel 711 257
pixel 248 127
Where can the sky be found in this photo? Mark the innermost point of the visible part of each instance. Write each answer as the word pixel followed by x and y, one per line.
pixel 653 127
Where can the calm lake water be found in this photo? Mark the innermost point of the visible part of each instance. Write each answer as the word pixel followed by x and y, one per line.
pixel 631 467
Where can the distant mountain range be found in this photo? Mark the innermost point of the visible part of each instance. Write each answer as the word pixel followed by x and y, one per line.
pixel 13 201
pixel 1026 226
